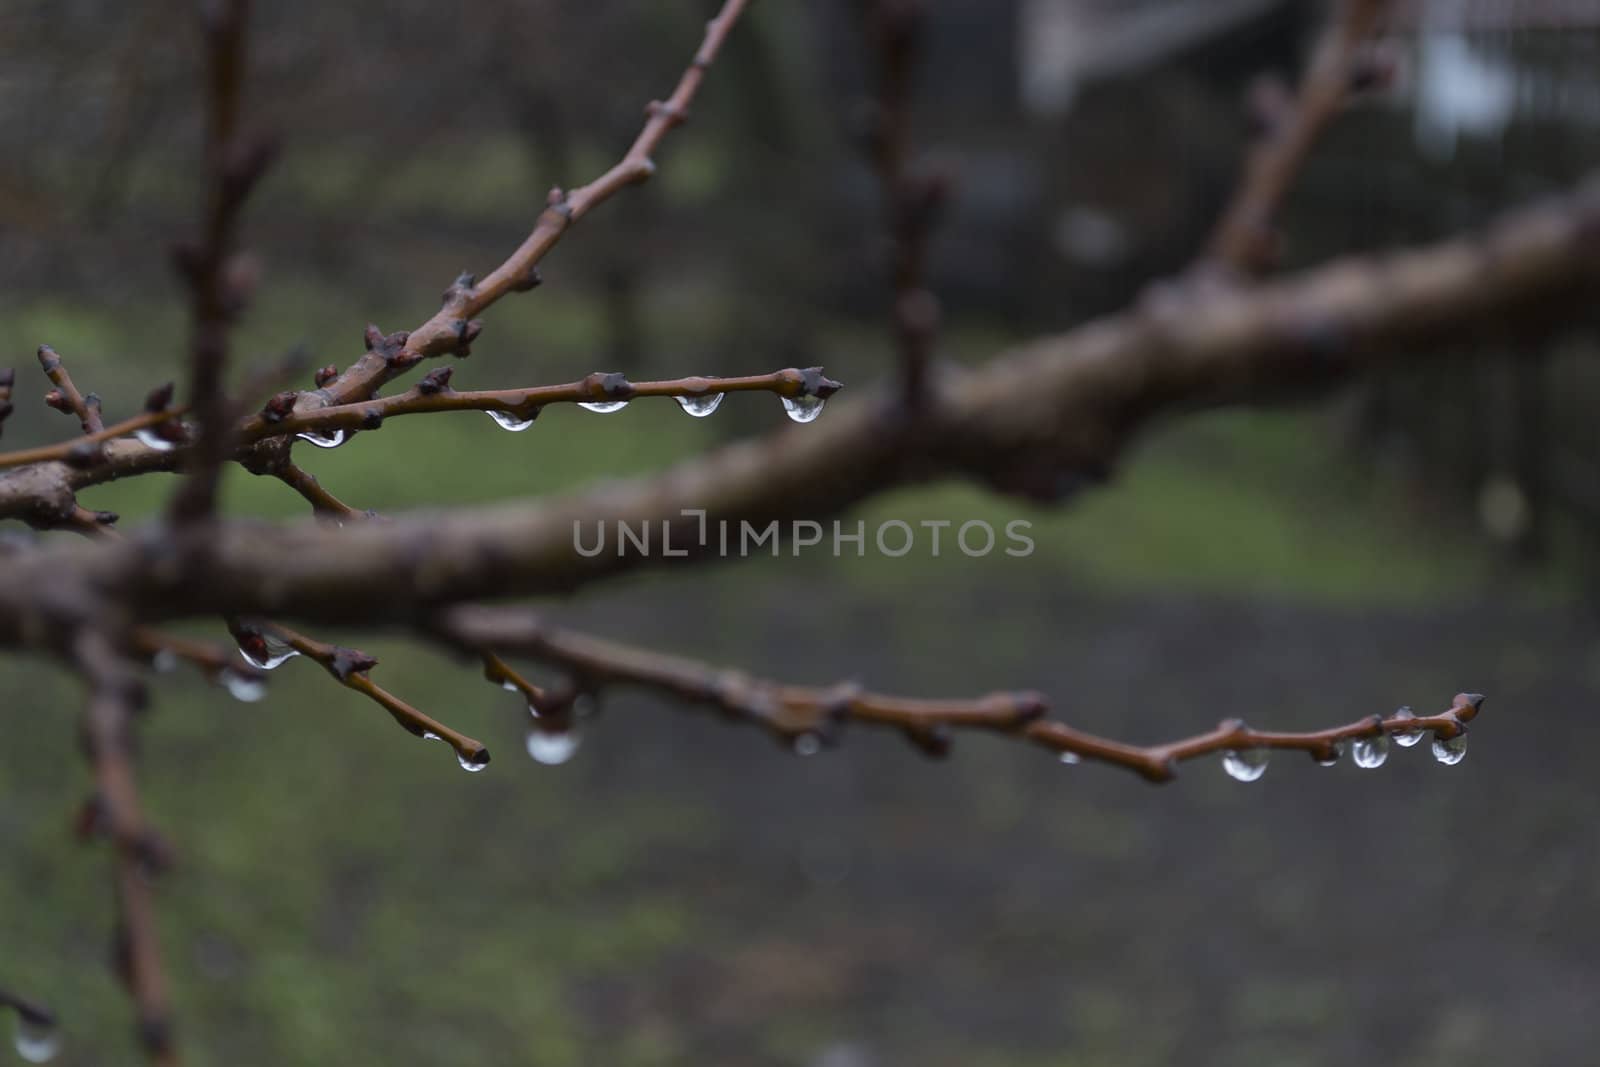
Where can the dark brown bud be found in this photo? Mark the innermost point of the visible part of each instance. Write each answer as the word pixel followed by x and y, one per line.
pixel 159 399
pixel 932 741
pixel 459 288
pixel 392 347
pixel 348 661
pixel 467 331
pixel 530 280
pixel 280 407
pixel 435 381
pixel 55 398
pixel 815 383
pixel 604 386
pixel 326 375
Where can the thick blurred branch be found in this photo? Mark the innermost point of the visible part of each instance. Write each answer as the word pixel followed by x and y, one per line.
pixel 1042 421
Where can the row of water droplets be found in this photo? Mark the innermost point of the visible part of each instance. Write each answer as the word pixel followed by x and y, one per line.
pixel 799 408
pixel 36 1040
pixel 1368 753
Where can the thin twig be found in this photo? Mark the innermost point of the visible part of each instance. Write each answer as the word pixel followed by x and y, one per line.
pixel 806 717
pixel 911 199
pixel 80 451
pixel 218 281
pixel 433 394
pixel 322 502
pixel 116 696
pixel 350 667
pixel 444 332
pixel 66 396
pixel 1244 241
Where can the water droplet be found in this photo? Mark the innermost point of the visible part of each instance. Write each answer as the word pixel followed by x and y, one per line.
pixel 1246 765
pixel 429 735
pixel 475 764
pixel 36 1040
pixel 1370 752
pixel 1329 761
pixel 509 421
pixel 151 439
pixel 1071 758
pixel 1406 738
pixel 509 686
pixel 323 440
pixel 807 744
pixel 242 687
pixel 700 406
pixel 803 408
pixel 603 407
pixel 265 651
pixel 165 661
pixel 552 747
pixel 1450 752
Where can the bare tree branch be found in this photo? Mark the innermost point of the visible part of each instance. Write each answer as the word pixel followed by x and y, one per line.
pixel 1245 241
pixel 807 718
pixel 65 397
pixel 219 281
pixel 116 698
pixel 1043 420
pixel 911 198
pixel 446 331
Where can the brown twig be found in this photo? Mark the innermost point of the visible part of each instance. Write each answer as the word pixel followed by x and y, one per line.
pixel 1244 241
pixel 322 502
pixel 116 697
pixel 433 394
pixel 446 331
pixel 81 452
pixel 350 668
pixel 807 717
pixel 219 282
pixel 89 523
pixel 66 397
pixel 504 675
pixel 911 199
